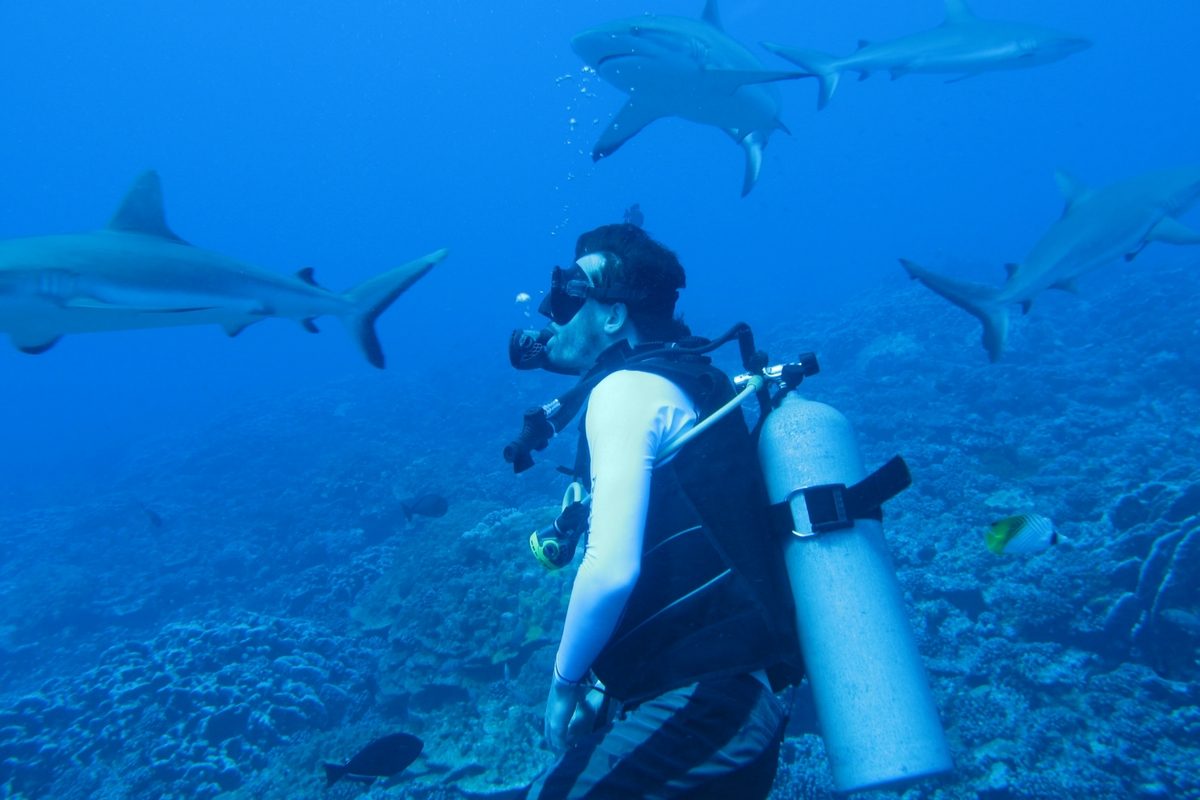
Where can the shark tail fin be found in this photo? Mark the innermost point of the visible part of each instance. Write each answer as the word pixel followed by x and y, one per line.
pixel 824 68
pixel 978 300
pixel 372 297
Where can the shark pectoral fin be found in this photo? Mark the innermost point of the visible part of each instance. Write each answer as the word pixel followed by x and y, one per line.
pixel 1026 305
pixel 309 325
pixel 142 209
pixel 728 81
pixel 34 342
pixel 234 327
pixel 629 120
pixel 1010 269
pixel 1066 286
pixel 898 72
pixel 1131 255
pixel 752 144
pixel 963 77
pixel 1172 231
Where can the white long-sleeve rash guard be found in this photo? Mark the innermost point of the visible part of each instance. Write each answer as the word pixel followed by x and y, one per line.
pixel 630 417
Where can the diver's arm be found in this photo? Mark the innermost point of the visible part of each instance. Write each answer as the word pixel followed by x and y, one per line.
pixel 630 416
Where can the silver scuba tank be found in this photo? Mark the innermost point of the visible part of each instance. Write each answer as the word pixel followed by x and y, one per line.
pixel 873 701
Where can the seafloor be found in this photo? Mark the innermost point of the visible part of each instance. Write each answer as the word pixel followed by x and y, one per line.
pixel 273 608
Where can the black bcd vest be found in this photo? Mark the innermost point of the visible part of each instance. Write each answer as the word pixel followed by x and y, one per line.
pixel 712 598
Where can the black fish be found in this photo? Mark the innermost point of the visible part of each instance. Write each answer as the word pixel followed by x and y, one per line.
pixel 152 516
pixel 380 759
pixel 634 216
pixel 427 505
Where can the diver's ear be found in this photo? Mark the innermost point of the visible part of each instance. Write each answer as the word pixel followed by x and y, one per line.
pixel 618 315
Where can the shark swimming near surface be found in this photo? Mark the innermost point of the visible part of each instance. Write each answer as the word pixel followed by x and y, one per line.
pixel 680 67
pixel 964 45
pixel 1096 227
pixel 136 273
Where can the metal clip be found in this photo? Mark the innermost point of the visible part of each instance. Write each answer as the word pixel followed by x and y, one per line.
pixel 826 506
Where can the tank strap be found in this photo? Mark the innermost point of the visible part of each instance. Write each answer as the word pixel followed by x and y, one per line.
pixel 835 506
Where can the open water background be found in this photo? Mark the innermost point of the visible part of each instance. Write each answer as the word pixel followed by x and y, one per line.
pixel 353 137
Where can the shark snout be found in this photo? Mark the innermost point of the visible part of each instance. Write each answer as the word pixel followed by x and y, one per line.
pixel 594 45
pixel 1048 49
pixel 1078 44
pixel 1066 46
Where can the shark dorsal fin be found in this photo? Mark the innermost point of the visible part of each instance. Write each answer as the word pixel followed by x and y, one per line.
pixel 1071 188
pixel 863 44
pixel 711 15
pixel 958 11
pixel 1010 269
pixel 306 275
pixel 142 209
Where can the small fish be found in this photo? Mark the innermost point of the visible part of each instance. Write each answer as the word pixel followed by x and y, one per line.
pixel 427 505
pixel 381 758
pixel 523 297
pixel 1021 534
pixel 634 215
pixel 152 516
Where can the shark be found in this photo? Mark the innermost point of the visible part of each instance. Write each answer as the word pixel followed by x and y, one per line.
pixel 136 273
pixel 692 69
pixel 1097 227
pixel 964 45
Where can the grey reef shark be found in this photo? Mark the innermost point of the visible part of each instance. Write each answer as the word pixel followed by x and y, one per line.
pixel 136 273
pixel 964 45
pixel 688 68
pixel 1097 227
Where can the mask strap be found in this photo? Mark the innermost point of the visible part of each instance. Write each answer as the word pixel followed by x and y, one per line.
pixel 592 263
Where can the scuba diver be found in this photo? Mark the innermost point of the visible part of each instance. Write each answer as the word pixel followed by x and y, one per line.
pixel 680 616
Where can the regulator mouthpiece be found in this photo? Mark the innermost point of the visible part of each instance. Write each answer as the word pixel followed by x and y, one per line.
pixel 527 348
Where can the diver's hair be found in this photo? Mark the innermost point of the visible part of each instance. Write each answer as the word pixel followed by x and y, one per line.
pixel 644 266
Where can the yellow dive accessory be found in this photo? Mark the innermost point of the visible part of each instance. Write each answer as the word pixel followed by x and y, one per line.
pixel 554 545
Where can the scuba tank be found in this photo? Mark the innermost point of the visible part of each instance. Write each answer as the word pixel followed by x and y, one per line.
pixel 873 702
pixel 876 712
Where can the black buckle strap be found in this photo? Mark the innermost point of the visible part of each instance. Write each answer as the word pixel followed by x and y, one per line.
pixel 835 506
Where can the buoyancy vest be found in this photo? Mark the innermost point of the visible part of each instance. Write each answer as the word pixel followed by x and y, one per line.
pixel 712 598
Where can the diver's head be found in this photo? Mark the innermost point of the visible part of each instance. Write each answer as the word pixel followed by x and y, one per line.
pixel 622 286
pixel 644 273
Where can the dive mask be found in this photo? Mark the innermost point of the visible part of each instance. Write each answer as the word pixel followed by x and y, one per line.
pixel 569 289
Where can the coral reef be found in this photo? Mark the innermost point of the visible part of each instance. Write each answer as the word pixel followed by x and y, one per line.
pixel 282 610
pixel 189 714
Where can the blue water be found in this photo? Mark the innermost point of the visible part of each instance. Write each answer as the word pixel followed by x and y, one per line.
pixel 222 514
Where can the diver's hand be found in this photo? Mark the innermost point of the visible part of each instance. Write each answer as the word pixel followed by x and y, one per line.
pixel 583 721
pixel 564 698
